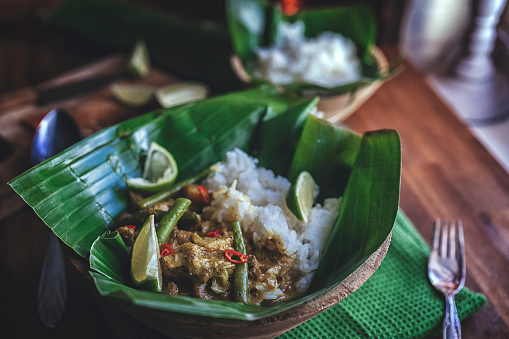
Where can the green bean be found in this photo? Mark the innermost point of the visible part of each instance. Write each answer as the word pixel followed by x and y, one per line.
pixel 171 218
pixel 172 191
pixel 240 275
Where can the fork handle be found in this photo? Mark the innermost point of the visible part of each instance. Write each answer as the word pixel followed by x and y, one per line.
pixel 452 326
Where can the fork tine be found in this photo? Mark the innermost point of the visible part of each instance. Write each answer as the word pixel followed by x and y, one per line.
pixel 452 240
pixel 443 246
pixel 461 239
pixel 461 247
pixel 436 235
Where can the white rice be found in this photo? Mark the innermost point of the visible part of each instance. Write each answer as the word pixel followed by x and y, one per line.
pixel 256 198
pixel 328 60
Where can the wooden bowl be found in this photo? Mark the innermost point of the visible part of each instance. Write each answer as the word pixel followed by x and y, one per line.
pixel 180 325
pixel 337 107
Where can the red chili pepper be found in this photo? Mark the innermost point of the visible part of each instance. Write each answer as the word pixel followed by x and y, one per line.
pixel 131 226
pixel 204 192
pixel 214 233
pixel 166 250
pixel 290 7
pixel 229 253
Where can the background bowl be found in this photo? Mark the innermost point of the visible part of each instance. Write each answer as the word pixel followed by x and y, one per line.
pixel 336 108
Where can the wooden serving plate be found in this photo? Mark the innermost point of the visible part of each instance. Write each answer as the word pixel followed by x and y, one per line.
pixel 180 325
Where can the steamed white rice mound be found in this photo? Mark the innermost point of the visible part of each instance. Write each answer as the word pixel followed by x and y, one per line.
pixel 256 198
pixel 328 60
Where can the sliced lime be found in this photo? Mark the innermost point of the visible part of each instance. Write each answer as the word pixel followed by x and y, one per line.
pixel 133 95
pixel 139 62
pixel 181 93
pixel 145 269
pixel 159 172
pixel 301 196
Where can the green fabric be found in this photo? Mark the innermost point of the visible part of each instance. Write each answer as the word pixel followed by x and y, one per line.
pixel 397 301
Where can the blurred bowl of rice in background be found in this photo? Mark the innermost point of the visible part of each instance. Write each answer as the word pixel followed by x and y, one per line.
pixel 329 53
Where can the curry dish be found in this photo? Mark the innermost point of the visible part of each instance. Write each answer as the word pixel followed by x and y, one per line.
pixel 201 257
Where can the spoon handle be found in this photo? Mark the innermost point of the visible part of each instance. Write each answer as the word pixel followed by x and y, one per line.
pixel 52 293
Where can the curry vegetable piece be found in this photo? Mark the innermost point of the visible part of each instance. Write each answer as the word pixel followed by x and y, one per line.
pixel 170 219
pixel 240 275
pixel 188 219
pixel 138 218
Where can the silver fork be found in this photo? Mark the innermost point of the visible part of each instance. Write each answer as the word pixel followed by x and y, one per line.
pixel 446 271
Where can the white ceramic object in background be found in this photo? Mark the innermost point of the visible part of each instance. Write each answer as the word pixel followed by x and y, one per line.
pixel 473 87
pixel 431 32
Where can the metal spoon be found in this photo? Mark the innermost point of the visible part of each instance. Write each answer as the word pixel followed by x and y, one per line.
pixel 56 131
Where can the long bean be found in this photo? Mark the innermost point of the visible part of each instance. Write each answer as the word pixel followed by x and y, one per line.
pixel 170 219
pixel 172 191
pixel 240 275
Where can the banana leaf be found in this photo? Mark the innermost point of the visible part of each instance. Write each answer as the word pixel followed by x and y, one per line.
pixel 253 24
pixel 79 192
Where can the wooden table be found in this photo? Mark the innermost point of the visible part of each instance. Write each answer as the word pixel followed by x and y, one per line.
pixel 446 173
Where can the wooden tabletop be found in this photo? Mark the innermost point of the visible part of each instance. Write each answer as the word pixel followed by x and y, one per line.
pixel 446 173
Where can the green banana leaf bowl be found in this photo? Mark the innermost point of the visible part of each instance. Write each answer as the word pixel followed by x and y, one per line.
pixel 254 23
pixel 79 192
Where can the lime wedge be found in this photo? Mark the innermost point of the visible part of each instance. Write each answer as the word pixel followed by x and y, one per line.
pixel 159 172
pixel 133 95
pixel 181 93
pixel 139 62
pixel 301 195
pixel 145 269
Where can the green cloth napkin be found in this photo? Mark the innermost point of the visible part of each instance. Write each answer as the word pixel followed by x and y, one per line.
pixel 397 301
